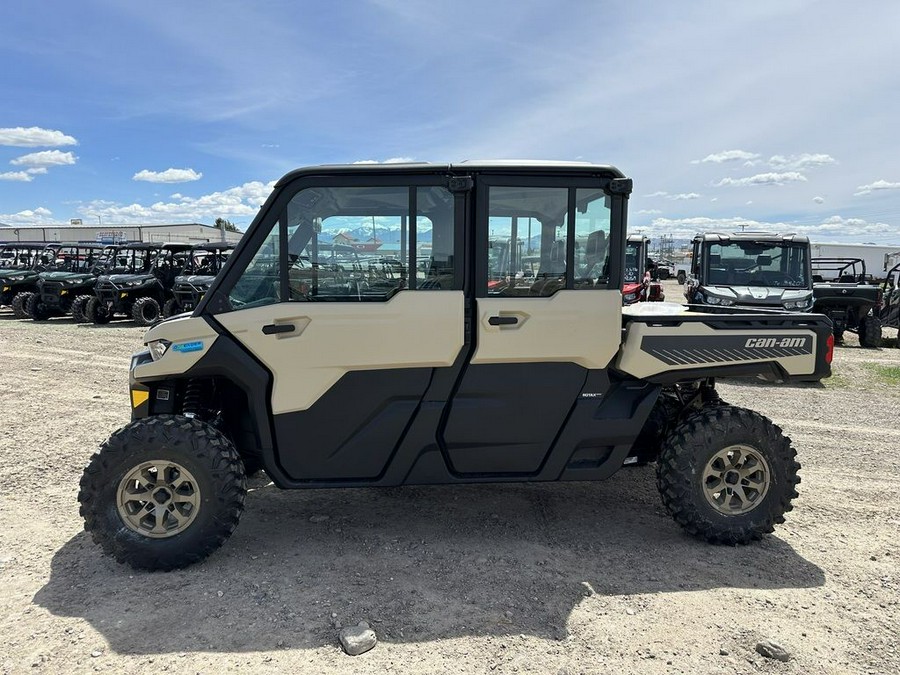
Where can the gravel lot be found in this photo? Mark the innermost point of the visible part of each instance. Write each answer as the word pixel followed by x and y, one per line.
pixel 563 578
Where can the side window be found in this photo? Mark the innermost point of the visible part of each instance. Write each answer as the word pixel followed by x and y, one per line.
pixel 369 243
pixel 592 230
pixel 260 283
pixel 531 237
pixel 526 249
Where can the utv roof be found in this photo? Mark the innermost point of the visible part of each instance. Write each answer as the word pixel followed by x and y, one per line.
pixel 772 237
pixel 465 167
pixel 637 238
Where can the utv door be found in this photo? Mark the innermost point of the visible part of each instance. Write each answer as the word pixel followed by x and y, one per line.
pixel 343 301
pixel 541 322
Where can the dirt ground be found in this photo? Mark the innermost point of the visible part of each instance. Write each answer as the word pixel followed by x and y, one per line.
pixel 563 578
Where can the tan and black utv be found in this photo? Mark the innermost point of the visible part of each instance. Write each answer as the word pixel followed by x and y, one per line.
pixel 472 331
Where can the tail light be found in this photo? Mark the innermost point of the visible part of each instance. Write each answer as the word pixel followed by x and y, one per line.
pixel 829 344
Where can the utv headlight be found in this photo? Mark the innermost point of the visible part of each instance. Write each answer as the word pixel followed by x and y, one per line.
pixel 628 297
pixel 158 348
pixel 803 303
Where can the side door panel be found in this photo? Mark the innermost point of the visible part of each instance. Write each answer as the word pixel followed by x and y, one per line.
pixel 348 377
pixel 533 353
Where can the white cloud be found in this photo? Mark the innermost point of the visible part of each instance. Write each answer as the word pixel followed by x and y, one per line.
pixel 37 170
pixel 243 200
pixel 34 137
pixel 873 187
pixel 764 179
pixel 726 156
pixel 44 159
pixel 21 176
pixel 168 176
pixel 818 200
pixel 800 161
pixel 684 196
pixel 650 212
pixel 661 193
pixel 27 217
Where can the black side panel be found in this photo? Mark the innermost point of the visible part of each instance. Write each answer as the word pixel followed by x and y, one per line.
pixel 505 417
pixel 226 358
pixel 351 432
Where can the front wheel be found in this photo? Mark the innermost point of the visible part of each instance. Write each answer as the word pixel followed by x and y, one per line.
pixel 18 304
pixel 96 311
pixel 727 475
pixel 79 307
pixel 170 308
pixel 36 308
pixel 145 311
pixel 163 492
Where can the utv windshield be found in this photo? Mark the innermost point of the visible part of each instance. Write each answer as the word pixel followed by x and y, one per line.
pixel 131 261
pixel 76 259
pixel 750 263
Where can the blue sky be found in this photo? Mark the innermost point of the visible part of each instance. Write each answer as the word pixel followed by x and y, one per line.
pixel 773 115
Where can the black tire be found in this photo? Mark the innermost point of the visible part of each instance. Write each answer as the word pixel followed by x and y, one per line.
pixel 96 311
pixel 18 304
pixel 79 308
pixel 37 309
pixel 695 443
pixel 145 311
pixel 870 332
pixel 171 308
pixel 682 277
pixel 190 445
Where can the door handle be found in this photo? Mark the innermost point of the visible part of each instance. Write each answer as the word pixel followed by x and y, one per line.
pixel 503 320
pixel 273 328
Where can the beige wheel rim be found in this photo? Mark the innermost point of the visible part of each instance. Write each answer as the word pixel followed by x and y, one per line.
pixel 158 499
pixel 736 479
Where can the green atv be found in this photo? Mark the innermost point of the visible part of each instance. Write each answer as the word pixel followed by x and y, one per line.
pixel 139 284
pixel 68 283
pixel 20 266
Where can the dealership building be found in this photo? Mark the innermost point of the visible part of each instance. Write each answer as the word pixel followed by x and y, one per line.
pixel 190 233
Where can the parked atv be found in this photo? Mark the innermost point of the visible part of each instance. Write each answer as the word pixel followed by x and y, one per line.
pixel 202 265
pixel 412 383
pixel 842 292
pixel 640 284
pixel 22 263
pixel 68 282
pixel 140 291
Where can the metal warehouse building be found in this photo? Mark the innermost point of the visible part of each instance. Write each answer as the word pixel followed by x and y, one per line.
pixel 112 234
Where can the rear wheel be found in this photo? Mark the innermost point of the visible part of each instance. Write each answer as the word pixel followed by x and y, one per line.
pixel 96 311
pixel 79 306
pixel 145 311
pixel 682 277
pixel 727 475
pixel 18 304
pixel 163 492
pixel 36 308
pixel 170 308
pixel 870 331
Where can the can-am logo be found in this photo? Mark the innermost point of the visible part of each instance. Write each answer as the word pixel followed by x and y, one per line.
pixel 785 343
